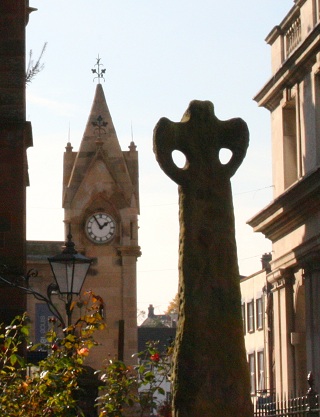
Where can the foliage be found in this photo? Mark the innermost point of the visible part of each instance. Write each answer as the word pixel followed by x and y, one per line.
pixel 12 367
pixel 173 307
pixel 49 389
pixel 34 67
pixel 118 391
pixel 126 388
pixel 165 409
pixel 154 370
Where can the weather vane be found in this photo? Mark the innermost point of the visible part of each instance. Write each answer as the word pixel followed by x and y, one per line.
pixel 99 71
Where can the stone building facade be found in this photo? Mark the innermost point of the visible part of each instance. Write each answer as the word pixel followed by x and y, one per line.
pixel 292 220
pixel 256 308
pixel 101 203
pixel 101 206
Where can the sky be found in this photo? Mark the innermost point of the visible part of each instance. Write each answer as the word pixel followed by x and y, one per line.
pixel 158 56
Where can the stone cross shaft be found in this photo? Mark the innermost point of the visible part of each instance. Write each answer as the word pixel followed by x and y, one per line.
pixel 210 371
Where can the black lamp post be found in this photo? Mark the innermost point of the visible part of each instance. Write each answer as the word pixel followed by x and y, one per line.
pixel 69 269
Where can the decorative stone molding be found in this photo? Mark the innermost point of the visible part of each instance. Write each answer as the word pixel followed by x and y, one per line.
pixel 129 251
pixel 290 210
pixel 280 278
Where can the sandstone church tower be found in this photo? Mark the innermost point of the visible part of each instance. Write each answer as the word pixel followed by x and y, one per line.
pixel 101 203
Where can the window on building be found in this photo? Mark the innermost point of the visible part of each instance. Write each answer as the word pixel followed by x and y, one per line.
pixel 243 314
pixel 252 369
pixel 250 317
pixel 260 364
pixel 259 313
pixel 291 147
pixel 131 230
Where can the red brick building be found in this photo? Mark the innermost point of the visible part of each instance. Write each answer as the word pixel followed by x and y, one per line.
pixel 15 138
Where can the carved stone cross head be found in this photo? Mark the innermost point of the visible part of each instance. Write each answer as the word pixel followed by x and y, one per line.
pixel 200 136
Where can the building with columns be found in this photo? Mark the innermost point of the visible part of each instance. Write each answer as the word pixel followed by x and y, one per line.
pixel 292 220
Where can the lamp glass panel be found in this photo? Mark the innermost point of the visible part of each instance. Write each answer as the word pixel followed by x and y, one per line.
pixel 63 275
pixel 70 276
pixel 80 273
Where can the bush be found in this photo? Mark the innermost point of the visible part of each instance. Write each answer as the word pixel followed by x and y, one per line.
pixel 50 388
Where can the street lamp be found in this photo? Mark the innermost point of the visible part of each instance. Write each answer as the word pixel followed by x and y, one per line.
pixel 69 269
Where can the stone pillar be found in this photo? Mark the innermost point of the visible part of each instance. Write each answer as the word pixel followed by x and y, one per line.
pixel 129 256
pixel 312 288
pixel 283 326
pixel 210 372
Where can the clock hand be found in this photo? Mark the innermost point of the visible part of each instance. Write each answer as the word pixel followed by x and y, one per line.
pixel 105 224
pixel 100 227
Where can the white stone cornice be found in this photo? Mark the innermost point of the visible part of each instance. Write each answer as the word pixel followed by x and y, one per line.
pixel 291 209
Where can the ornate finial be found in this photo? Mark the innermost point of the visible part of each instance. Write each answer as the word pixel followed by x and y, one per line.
pixel 132 146
pixel 69 147
pixel 312 395
pixel 69 245
pixel 99 127
pixel 100 72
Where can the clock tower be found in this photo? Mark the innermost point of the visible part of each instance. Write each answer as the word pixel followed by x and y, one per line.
pixel 101 203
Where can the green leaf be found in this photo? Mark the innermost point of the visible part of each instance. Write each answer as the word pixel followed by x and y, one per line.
pixel 13 359
pixel 24 330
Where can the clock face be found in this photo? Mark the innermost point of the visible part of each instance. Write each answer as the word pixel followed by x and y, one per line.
pixel 100 227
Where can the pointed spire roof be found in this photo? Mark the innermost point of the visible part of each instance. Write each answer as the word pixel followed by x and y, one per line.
pixel 106 133
pixel 100 141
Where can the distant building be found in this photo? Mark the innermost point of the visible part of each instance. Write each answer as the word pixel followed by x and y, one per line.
pixel 159 328
pixel 159 320
pixel 255 307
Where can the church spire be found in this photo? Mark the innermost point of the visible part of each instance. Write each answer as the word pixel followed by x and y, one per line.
pixel 100 141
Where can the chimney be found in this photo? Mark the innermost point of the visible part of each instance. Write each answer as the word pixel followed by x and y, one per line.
pixel 150 311
pixel 265 261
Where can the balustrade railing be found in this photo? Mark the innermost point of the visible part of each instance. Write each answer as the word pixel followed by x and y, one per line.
pixel 271 405
pixel 286 407
pixel 293 36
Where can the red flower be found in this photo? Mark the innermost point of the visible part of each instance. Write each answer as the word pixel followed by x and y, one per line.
pixel 54 346
pixel 155 357
pixel 83 351
pixel 52 320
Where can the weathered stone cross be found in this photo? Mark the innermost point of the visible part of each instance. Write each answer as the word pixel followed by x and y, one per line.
pixel 210 371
